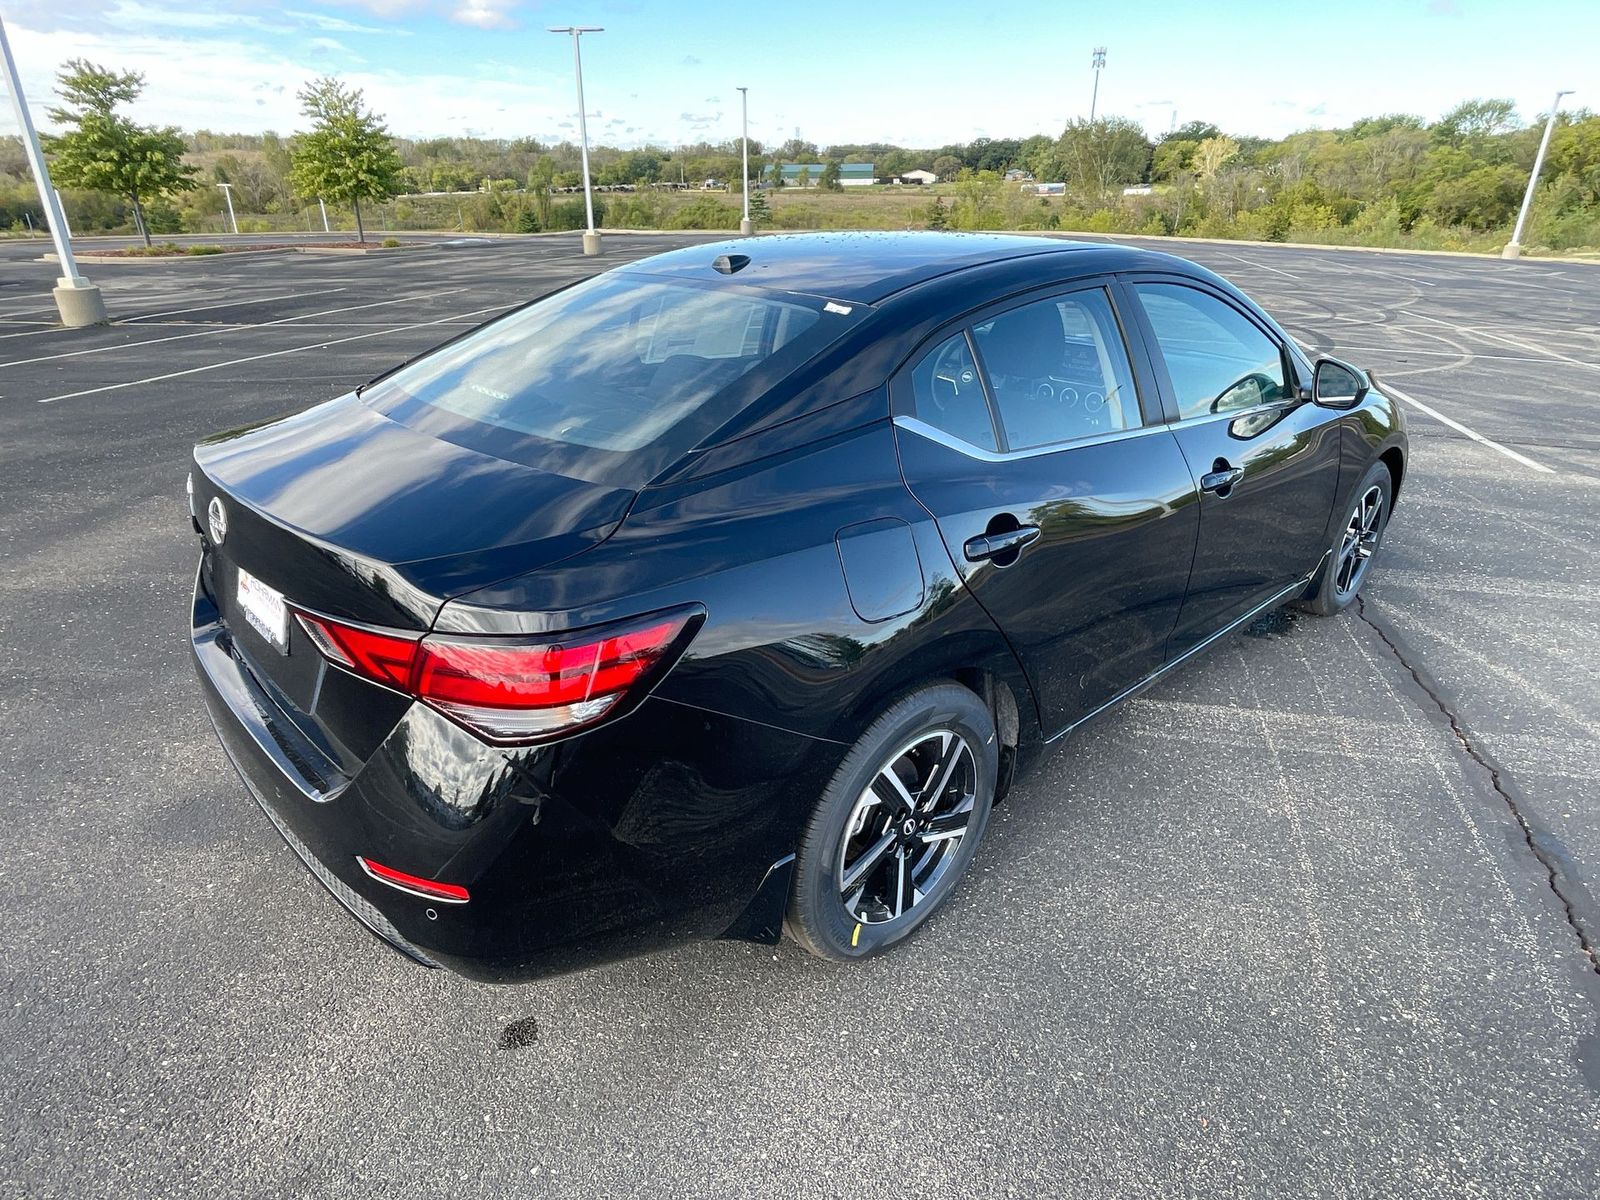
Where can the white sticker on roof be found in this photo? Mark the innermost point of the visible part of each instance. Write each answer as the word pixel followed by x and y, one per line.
pixel 842 309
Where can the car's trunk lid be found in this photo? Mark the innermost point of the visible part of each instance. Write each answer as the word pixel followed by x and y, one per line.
pixel 346 513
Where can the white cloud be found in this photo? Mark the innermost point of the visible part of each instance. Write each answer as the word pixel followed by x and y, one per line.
pixel 334 24
pixel 485 14
pixel 228 84
pixel 482 14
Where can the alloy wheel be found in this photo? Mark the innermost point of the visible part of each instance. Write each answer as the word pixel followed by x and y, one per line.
pixel 1360 541
pixel 904 831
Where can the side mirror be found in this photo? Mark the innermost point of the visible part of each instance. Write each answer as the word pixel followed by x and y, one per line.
pixel 1338 385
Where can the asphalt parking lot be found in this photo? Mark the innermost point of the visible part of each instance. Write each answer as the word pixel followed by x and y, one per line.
pixel 1314 917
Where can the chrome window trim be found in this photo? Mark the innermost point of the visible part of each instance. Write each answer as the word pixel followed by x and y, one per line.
pixel 950 442
pixel 934 434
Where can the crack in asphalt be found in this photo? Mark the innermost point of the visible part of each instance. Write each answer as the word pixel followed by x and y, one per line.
pixel 1545 847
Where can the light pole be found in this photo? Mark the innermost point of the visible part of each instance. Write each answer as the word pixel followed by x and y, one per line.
pixel 591 239
pixel 324 208
pixel 745 226
pixel 1514 246
pixel 227 190
pixel 1097 62
pixel 78 301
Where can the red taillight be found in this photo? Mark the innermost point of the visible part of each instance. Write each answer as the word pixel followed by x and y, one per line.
pixel 386 658
pixel 512 690
pixel 431 889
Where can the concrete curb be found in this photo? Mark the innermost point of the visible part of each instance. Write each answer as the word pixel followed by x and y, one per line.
pixel 117 260
pixel 1474 255
pixel 436 237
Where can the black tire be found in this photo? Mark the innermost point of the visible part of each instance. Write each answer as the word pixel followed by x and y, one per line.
pixel 1355 545
pixel 918 733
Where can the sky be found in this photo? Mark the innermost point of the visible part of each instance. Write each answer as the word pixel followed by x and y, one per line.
pixel 922 73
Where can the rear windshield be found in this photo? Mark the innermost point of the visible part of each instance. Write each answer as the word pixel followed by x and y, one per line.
pixel 595 374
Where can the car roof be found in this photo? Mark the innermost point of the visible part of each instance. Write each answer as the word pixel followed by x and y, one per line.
pixel 867 267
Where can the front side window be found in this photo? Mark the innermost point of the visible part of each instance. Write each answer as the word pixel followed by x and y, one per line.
pixel 1218 359
pixel 1058 370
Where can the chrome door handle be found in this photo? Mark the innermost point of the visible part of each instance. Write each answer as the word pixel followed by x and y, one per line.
pixel 996 545
pixel 1221 481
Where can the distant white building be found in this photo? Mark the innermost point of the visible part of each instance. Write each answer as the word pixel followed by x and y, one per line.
pixel 1138 189
pixel 919 177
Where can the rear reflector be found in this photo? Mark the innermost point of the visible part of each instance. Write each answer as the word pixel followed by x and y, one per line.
pixel 428 889
pixel 515 691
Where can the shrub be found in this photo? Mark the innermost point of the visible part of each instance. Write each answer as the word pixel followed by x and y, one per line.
pixel 569 214
pixel 391 243
pixel 202 249
pixel 704 213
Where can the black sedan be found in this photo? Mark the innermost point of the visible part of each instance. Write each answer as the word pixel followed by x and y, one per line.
pixel 726 592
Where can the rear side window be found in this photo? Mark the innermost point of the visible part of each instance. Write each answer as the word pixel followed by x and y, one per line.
pixel 1218 359
pixel 1058 370
pixel 949 395
pixel 620 369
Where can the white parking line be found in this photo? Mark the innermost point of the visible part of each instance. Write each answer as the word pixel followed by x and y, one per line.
pixel 1518 343
pixel 1259 266
pixel 233 362
pixel 1460 428
pixel 173 312
pixel 150 318
pixel 1349 266
pixel 212 332
pixel 1402 351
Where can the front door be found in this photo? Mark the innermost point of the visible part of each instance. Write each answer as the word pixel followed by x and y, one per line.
pixel 1266 463
pixel 1069 514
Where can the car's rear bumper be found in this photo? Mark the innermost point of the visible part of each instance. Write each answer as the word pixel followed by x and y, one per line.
pixel 659 828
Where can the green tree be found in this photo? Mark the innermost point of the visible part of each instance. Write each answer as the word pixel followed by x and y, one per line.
pixel 760 210
pixel 1211 155
pixel 804 178
pixel 1172 157
pixel 103 150
pixel 938 214
pixel 1099 156
pixel 946 166
pixel 348 156
pixel 541 179
pixel 1192 131
pixel 828 181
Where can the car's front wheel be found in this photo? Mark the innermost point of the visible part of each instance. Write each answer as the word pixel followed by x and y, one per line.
pixel 1355 544
pixel 897 826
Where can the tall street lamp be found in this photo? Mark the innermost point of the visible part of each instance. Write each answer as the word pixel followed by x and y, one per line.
pixel 227 190
pixel 746 228
pixel 591 239
pixel 1097 62
pixel 1514 246
pixel 78 301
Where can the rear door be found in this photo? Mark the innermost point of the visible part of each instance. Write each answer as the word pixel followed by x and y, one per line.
pixel 1065 504
pixel 1266 464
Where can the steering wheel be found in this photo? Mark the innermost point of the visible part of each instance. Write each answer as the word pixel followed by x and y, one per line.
pixel 951 369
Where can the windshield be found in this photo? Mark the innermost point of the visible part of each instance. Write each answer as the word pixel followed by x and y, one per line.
pixel 613 365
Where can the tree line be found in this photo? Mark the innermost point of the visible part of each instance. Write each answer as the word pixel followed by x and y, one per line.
pixel 1383 179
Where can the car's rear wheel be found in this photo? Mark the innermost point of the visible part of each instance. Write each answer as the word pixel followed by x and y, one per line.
pixel 897 826
pixel 1355 544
